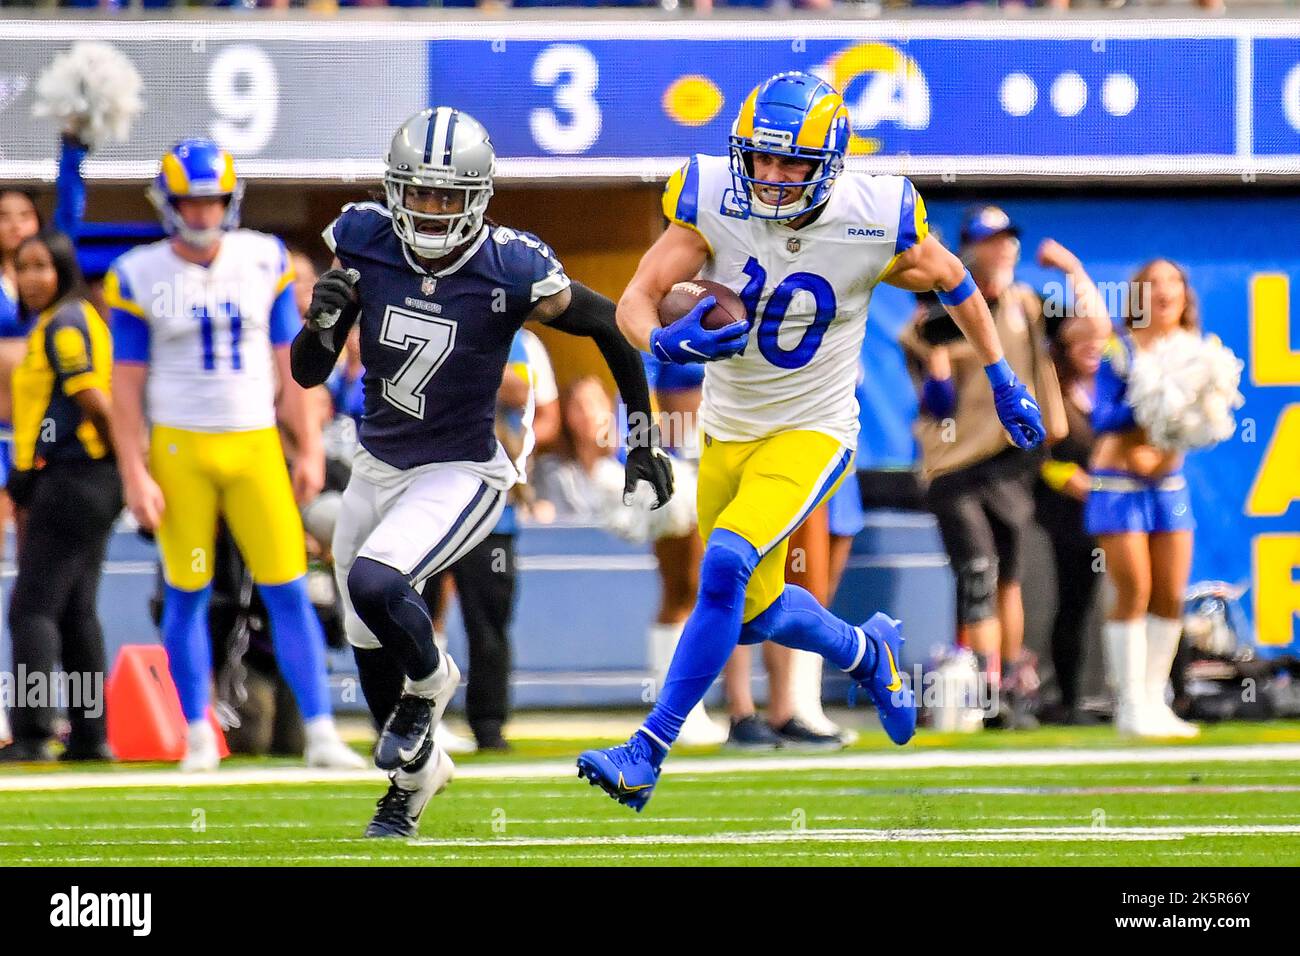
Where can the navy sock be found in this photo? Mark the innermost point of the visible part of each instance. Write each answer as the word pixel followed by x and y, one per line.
pixel 396 614
pixel 796 619
pixel 299 644
pixel 381 680
pixel 189 654
pixel 710 634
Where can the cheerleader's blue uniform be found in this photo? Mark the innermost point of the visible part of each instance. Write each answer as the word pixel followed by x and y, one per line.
pixel 1122 501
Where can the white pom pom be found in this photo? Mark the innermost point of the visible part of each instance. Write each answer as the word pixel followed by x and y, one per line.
pixel 93 90
pixel 1184 391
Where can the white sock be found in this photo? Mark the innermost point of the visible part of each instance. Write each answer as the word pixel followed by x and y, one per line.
pixel 428 686
pixel 862 650
pixel 320 730
pixel 1163 635
pixel 1126 654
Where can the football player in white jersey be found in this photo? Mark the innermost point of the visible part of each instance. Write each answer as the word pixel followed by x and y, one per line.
pixel 202 323
pixel 803 244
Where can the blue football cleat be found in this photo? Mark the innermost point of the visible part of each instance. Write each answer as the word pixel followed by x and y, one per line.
pixel 893 698
pixel 628 772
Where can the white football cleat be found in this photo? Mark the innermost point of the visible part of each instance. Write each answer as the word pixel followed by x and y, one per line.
pixel 409 792
pixel 201 754
pixel 452 742
pixel 326 749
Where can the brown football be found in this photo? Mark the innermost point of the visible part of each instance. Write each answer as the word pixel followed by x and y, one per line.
pixel 684 296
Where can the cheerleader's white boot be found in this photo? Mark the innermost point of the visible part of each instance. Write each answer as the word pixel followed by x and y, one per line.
pixel 1126 657
pixel 1163 635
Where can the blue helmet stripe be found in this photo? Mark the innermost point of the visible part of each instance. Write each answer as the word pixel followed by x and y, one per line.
pixel 451 133
pixel 428 136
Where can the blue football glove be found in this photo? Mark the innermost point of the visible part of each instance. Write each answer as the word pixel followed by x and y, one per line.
pixel 687 342
pixel 1017 410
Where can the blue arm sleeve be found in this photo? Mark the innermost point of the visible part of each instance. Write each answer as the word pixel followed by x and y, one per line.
pixel 70 206
pixel 285 322
pixel 130 336
pixel 1110 412
pixel 938 397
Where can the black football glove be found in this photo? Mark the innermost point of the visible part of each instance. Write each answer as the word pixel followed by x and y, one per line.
pixel 334 299
pixel 646 461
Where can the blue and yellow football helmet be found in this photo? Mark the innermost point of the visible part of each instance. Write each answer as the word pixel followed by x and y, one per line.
pixel 196 167
pixel 795 115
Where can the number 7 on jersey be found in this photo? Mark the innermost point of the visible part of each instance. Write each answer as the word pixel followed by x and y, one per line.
pixel 429 341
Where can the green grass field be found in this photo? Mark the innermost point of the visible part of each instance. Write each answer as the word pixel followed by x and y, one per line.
pixel 1050 797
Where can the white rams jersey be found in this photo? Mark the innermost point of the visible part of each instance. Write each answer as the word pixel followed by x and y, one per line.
pixel 806 290
pixel 206 333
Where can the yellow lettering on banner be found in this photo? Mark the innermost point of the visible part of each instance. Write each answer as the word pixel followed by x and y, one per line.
pixel 1277 483
pixel 1272 360
pixel 1277 593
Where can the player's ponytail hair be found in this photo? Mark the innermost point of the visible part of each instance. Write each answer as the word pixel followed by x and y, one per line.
pixel 63 253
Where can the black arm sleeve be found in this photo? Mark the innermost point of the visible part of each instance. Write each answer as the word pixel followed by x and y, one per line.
pixel 590 314
pixel 313 354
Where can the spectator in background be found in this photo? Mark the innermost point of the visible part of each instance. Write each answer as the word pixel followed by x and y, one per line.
pixel 980 486
pixel 19 221
pixel 65 479
pixel 1059 495
pixel 580 478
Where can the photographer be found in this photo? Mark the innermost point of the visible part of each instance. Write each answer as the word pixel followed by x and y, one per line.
pixel 980 487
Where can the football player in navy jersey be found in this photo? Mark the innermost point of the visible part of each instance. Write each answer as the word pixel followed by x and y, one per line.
pixel 439 293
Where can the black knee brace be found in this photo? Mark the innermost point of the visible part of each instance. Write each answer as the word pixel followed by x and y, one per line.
pixel 977 587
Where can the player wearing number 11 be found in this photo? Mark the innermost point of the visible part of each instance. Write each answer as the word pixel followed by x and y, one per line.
pixel 202 320
pixel 803 243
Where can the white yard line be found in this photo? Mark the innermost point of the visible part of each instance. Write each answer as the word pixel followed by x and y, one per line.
pixel 701 766
pixel 920 835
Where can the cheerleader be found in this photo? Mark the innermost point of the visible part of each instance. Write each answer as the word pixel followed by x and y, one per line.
pixel 1161 390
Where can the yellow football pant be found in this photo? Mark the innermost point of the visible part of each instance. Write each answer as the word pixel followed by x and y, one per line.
pixel 763 490
pixel 240 476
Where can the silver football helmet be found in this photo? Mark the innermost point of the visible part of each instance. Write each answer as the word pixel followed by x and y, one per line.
pixel 439 148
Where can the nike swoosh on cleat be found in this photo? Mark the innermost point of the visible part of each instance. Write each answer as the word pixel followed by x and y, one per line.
pixel 897 683
pixel 624 788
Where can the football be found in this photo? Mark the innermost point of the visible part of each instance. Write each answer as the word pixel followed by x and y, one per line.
pixel 683 297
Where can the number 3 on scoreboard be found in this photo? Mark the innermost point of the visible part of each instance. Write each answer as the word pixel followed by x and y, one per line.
pixel 428 341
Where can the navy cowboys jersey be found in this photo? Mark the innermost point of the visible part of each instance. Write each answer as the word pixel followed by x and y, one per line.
pixel 435 343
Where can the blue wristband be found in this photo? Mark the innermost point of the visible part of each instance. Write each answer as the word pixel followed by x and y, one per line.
pixel 965 289
pixel 1000 374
